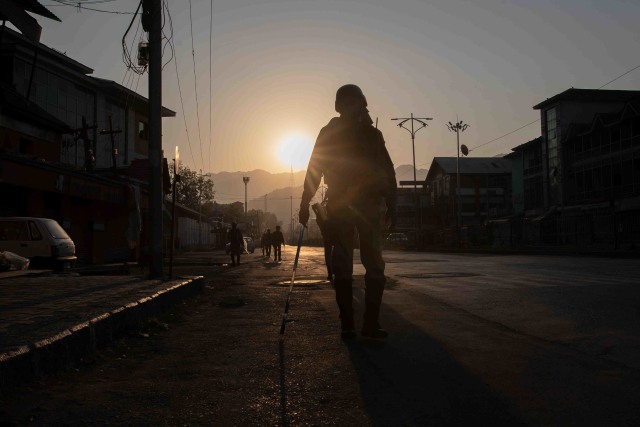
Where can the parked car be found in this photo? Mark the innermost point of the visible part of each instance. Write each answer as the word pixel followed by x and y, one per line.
pixel 42 240
pixel 249 246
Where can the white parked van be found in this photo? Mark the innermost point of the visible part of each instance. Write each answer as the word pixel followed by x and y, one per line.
pixel 42 240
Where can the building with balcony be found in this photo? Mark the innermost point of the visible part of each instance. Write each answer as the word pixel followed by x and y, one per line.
pixel 578 185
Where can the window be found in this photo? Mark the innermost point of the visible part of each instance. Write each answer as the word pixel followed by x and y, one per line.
pixel 552 138
pixel 597 179
pixel 617 174
pixel 615 135
pixel 606 177
pixel 35 233
pixel 588 181
pixel 635 126
pixel 579 183
pixel 143 130
pixel 627 177
pixel 26 146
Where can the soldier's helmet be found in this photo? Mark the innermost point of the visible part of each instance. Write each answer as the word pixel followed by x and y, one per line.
pixel 346 94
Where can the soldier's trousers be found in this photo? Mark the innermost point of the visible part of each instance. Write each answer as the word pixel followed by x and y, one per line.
pixel 366 219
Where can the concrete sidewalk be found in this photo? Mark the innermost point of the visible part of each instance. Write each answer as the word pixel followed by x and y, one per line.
pixel 50 321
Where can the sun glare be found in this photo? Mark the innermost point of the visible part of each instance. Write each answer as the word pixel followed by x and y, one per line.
pixel 295 150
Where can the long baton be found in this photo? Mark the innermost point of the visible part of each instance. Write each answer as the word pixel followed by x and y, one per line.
pixel 293 276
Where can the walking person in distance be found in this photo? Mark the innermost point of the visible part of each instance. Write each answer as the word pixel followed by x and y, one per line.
pixel 277 240
pixel 234 237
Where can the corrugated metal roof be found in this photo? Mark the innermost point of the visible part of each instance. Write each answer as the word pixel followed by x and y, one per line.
pixel 474 165
pixel 15 105
pixel 534 141
pixel 590 95
pixel 166 112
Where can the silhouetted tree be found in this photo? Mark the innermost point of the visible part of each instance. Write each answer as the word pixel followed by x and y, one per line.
pixel 194 189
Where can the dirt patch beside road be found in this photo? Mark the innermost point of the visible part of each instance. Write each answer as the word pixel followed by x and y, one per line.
pixel 214 360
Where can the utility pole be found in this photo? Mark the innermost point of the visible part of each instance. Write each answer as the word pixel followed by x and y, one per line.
pixel 265 203
pixel 89 158
pixel 245 179
pixel 155 134
pixel 114 150
pixel 458 127
pixel 412 131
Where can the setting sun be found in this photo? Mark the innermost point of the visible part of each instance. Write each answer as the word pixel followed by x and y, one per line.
pixel 295 150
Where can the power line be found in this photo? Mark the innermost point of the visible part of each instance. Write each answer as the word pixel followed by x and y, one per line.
pixel 506 134
pixel 84 1
pixel 210 79
pixel 126 52
pixel 195 83
pixel 175 62
pixel 164 36
pixel 621 75
pixel 537 120
pixel 78 6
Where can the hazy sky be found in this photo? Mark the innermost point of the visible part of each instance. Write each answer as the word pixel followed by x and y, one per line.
pixel 275 67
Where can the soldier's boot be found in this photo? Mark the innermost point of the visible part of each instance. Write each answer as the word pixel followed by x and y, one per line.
pixel 344 298
pixel 371 326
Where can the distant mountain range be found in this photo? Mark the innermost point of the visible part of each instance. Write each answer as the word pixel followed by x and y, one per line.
pixel 405 173
pixel 281 197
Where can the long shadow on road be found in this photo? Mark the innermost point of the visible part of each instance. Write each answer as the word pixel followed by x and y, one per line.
pixel 411 380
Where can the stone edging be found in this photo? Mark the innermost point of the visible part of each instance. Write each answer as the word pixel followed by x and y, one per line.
pixel 63 350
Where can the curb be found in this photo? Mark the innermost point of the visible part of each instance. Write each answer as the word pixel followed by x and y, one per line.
pixel 63 350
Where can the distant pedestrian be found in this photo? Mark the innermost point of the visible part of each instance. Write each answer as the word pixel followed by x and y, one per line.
pixel 266 242
pixel 234 236
pixel 277 240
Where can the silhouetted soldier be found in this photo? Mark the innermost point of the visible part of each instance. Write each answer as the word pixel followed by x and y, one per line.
pixel 277 240
pixel 351 155
pixel 234 236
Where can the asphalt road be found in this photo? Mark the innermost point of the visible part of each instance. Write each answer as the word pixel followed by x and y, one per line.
pixel 558 337
pixel 474 340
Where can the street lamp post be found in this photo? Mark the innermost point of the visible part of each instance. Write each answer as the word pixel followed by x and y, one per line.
pixel 245 179
pixel 458 127
pixel 200 211
pixel 412 131
pixel 176 178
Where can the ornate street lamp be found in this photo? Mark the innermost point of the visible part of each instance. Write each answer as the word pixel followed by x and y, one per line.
pixel 458 127
pixel 423 124
pixel 245 179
